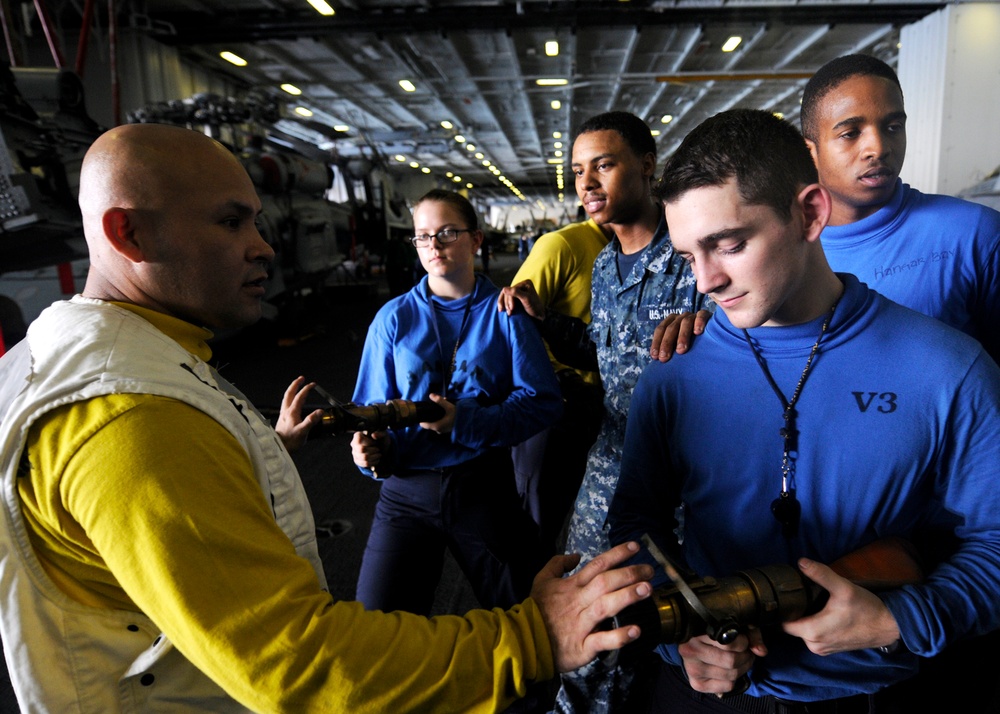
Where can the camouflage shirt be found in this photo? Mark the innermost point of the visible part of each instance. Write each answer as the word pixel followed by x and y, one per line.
pixel 625 312
pixel 624 315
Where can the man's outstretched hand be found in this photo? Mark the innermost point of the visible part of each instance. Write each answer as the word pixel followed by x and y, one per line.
pixel 292 427
pixel 573 607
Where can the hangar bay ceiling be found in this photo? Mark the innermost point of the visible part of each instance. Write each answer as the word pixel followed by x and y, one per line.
pixel 474 89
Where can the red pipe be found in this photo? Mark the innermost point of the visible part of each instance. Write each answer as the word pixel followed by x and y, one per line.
pixel 50 35
pixel 81 48
pixel 66 282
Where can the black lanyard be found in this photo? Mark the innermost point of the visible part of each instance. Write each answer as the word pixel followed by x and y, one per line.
pixel 449 367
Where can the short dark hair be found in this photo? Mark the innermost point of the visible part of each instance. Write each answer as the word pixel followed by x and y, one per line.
pixel 456 201
pixel 766 155
pixel 632 129
pixel 830 76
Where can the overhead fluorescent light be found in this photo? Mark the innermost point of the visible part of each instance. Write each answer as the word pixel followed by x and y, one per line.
pixel 470 147
pixel 303 112
pixel 425 170
pixel 552 48
pixel 322 7
pixel 666 118
pixel 459 138
pixel 234 58
pixel 654 132
pixel 480 155
pixel 291 89
pixel 555 161
pixel 414 165
pixel 341 127
pixel 407 85
pixel 732 43
pixel 447 124
pixel 551 82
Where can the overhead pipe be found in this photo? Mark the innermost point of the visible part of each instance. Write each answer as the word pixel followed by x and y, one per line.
pixel 50 35
pixel 5 22
pixel 81 48
pixel 682 77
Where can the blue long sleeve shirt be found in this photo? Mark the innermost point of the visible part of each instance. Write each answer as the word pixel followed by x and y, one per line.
pixel 938 255
pixel 503 385
pixel 899 430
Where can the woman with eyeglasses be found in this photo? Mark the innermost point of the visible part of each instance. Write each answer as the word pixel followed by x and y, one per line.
pixel 450 483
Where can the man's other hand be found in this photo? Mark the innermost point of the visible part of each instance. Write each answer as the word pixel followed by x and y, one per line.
pixel 714 668
pixel 676 333
pixel 573 607
pixel 852 619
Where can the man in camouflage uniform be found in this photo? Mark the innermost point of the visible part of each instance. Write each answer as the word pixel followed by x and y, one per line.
pixel 637 282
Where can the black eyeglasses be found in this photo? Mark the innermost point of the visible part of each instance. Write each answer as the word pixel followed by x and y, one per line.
pixel 448 235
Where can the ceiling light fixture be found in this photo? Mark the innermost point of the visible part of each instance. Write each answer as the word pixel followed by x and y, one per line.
pixel 233 58
pixel 557 135
pixel 400 157
pixel 470 147
pixel 425 170
pixel 407 85
pixel 447 125
pixel 341 127
pixel 732 43
pixel 666 118
pixel 551 82
pixel 414 165
pixel 303 112
pixel 459 138
pixel 556 104
pixel 654 132
pixel 552 48
pixel 291 89
pixel 480 155
pixel 322 7
pixel 558 145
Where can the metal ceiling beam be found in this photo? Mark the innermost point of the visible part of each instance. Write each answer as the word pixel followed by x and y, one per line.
pixel 192 28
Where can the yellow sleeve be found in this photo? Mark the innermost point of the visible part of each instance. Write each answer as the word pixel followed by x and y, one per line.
pixel 547 266
pixel 164 499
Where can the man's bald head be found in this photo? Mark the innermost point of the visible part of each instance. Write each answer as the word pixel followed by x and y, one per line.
pixel 146 166
pixel 169 216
